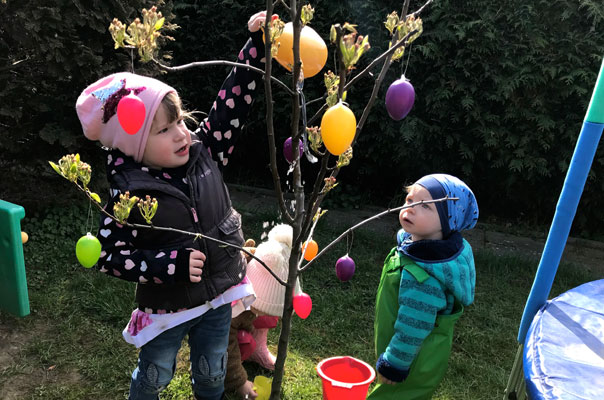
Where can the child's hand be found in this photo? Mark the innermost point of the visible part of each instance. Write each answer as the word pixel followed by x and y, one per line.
pixel 249 245
pixel 382 379
pixel 247 391
pixel 257 20
pixel 196 260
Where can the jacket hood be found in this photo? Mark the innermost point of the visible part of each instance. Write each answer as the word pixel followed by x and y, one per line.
pixel 458 275
pixel 450 261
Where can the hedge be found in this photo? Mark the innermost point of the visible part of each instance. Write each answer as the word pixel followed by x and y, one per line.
pixel 501 92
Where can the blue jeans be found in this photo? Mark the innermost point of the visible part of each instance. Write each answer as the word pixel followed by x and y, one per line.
pixel 208 339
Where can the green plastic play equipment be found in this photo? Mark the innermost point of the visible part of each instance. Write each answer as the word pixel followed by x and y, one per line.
pixel 13 284
pixel 579 167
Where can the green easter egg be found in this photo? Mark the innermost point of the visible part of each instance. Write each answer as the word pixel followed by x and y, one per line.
pixel 88 250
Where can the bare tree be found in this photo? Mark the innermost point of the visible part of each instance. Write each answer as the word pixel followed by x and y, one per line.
pixel 307 210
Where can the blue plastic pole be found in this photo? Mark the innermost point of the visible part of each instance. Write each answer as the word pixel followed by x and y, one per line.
pixel 567 206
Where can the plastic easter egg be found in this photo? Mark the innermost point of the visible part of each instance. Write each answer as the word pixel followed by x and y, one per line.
pixel 262 386
pixel 24 237
pixel 345 268
pixel 88 250
pixel 131 113
pixel 288 152
pixel 302 305
pixel 338 127
pixel 312 248
pixel 400 97
pixel 313 51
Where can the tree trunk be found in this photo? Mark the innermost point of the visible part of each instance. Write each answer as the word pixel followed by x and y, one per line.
pixel 288 309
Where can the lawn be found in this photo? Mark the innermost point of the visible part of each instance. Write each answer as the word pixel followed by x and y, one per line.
pixel 70 347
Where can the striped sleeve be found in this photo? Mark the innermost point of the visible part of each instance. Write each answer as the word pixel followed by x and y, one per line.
pixel 419 304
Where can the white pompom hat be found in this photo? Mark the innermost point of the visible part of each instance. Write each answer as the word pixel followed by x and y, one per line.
pixel 275 253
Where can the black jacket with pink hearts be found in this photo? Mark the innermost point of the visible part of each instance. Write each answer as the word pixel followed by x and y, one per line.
pixel 192 198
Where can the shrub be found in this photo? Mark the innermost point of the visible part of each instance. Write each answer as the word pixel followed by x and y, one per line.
pixel 501 91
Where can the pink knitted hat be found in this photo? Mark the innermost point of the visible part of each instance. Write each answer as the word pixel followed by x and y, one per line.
pixel 275 253
pixel 97 109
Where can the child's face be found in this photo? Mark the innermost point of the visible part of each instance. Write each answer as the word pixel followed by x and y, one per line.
pixel 421 221
pixel 168 143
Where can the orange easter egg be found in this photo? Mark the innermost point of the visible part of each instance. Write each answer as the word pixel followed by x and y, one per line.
pixel 312 248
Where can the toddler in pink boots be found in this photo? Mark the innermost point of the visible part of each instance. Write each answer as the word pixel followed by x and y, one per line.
pixel 249 329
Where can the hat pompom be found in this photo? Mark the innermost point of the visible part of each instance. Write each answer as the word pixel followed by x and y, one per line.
pixel 282 233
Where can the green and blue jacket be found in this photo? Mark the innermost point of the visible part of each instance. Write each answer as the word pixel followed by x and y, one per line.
pixel 436 275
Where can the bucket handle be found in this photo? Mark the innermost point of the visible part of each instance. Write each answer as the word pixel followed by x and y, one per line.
pixel 342 384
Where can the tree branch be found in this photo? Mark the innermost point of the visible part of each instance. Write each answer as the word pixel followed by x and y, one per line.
pixel 297 83
pixel 372 97
pixel 421 9
pixel 385 54
pixel 167 229
pixel 315 220
pixel 390 210
pixel 405 9
pixel 270 130
pixel 283 3
pixel 316 100
pixel 221 62
pixel 317 114
pixel 292 275
pixel 341 67
pixel 314 200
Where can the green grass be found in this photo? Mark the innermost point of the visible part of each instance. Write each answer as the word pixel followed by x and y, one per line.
pixel 70 347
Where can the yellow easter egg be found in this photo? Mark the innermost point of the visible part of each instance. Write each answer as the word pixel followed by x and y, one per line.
pixel 262 386
pixel 313 51
pixel 338 127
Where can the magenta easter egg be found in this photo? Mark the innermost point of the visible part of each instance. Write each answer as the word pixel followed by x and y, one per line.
pixel 302 305
pixel 131 113
pixel 400 98
pixel 288 152
pixel 345 268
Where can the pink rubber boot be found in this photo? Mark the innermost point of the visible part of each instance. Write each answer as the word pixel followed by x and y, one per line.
pixel 261 354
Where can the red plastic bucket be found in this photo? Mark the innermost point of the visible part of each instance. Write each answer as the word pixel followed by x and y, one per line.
pixel 345 378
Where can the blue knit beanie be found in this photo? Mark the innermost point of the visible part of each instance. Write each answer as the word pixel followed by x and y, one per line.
pixel 455 215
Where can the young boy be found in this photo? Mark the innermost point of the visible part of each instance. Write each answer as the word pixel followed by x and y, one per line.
pixel 425 282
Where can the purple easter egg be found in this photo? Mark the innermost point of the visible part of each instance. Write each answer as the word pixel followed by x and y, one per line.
pixel 288 152
pixel 345 268
pixel 400 98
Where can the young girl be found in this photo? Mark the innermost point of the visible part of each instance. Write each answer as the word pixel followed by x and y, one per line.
pixel 185 286
pixel 425 282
